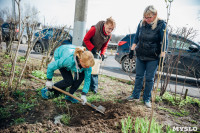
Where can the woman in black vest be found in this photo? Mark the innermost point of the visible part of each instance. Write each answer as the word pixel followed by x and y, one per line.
pixel 147 44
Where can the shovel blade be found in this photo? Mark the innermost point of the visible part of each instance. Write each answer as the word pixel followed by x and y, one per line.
pixel 101 109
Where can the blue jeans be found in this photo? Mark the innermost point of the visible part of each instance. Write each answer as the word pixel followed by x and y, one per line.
pixel 94 78
pixel 147 69
pixel 94 83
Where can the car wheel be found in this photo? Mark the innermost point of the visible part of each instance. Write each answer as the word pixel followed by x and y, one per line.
pixel 24 40
pixel 38 48
pixel 128 65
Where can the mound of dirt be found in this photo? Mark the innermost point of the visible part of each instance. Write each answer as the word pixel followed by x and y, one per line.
pixel 83 119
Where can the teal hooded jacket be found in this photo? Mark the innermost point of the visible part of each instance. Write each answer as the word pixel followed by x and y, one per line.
pixel 64 57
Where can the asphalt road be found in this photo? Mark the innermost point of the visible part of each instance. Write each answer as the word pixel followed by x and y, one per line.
pixel 112 68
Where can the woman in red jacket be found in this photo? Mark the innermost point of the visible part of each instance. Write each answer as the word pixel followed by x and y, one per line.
pixel 96 40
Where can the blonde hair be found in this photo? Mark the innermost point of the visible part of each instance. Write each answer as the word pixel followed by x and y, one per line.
pixel 86 56
pixel 111 21
pixel 150 10
pixel 147 12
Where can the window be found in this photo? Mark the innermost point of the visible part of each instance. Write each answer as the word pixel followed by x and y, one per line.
pixel 179 43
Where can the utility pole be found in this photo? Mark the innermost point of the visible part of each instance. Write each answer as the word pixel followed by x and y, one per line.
pixel 13 11
pixel 44 21
pixel 80 22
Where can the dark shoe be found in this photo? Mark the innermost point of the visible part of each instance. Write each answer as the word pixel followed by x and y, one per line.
pixel 71 99
pixel 131 98
pixel 95 91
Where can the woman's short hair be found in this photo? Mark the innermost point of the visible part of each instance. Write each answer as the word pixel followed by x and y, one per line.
pixel 86 56
pixel 149 10
pixel 111 21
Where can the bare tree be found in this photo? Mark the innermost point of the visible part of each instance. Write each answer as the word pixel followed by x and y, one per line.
pixel 59 35
pixel 1 22
pixel 17 49
pixel 179 41
pixel 29 22
pixel 30 28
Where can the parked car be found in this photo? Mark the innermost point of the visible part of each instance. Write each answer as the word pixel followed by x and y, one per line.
pixel 9 31
pixel 8 27
pixel 37 28
pixel 182 58
pixel 123 48
pixel 43 38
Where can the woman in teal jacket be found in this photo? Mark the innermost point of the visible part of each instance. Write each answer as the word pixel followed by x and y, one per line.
pixel 68 59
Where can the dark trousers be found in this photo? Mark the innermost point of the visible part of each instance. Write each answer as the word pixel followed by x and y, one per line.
pixel 147 69
pixel 68 81
pixel 94 83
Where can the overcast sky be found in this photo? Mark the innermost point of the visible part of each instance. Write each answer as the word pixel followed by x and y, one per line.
pixel 127 13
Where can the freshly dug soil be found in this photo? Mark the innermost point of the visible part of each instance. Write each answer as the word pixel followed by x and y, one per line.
pixel 40 117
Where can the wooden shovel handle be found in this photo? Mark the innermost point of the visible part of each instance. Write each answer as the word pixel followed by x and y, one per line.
pixel 66 93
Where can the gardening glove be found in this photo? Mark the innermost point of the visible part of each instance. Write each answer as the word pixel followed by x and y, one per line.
pixel 49 84
pixel 131 54
pixel 84 99
pixel 94 51
pixel 102 57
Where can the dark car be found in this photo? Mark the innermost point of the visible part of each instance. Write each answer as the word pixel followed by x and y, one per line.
pixel 123 48
pixel 48 36
pixel 9 31
pixel 182 58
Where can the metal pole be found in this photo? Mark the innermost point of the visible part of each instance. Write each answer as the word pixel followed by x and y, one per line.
pixel 80 22
pixel 44 21
pixel 13 11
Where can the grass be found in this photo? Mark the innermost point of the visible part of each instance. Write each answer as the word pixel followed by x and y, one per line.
pixel 59 102
pixel 19 93
pixel 23 107
pixel 3 85
pixel 19 121
pixel 39 74
pixel 141 125
pixel 175 113
pixel 193 121
pixel 4 113
pixel 169 129
pixel 21 59
pixel 127 125
pixel 95 98
pixel 169 98
pixel 65 119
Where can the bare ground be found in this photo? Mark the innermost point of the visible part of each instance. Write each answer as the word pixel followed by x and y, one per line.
pixel 40 118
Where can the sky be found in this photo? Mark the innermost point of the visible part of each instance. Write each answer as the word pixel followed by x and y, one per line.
pixel 127 13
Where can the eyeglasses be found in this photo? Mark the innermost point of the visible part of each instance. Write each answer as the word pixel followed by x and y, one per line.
pixel 148 17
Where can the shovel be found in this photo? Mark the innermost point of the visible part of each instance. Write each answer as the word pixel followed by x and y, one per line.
pixel 100 108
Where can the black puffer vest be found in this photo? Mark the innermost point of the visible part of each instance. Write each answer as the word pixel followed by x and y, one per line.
pixel 149 45
pixel 99 39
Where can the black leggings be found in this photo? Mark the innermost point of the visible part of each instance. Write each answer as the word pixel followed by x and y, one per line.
pixel 68 81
